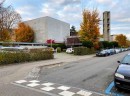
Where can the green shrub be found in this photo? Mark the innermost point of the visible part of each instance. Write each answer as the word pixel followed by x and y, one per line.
pixel 64 50
pixel 6 44
pixel 61 45
pixel 43 55
pixel 88 44
pixel 83 51
pixel 58 49
pixel 17 57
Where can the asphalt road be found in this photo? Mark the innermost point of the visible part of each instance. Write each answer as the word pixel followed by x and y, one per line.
pixel 93 74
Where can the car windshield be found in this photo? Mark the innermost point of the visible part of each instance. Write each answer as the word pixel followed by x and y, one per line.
pixel 126 60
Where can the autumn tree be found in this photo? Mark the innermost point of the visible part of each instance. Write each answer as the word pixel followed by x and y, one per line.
pixel 8 20
pixel 73 31
pixel 24 33
pixel 122 40
pixel 89 28
pixel 128 43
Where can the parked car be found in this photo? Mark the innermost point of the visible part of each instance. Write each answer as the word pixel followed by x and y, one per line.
pixel 69 50
pixel 117 51
pixel 112 51
pixel 122 73
pixel 102 53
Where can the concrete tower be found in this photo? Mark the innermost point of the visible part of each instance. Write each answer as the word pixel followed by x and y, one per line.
pixel 106 25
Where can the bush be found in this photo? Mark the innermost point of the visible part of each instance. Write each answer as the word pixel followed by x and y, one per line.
pixel 62 46
pixel 106 44
pixel 88 44
pixel 58 49
pixel 83 51
pixel 64 50
pixel 17 57
pixel 43 55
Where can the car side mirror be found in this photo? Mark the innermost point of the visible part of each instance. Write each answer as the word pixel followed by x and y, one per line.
pixel 118 61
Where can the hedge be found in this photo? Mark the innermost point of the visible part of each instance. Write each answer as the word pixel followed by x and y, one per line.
pixel 58 49
pixel 17 57
pixel 83 51
pixel 62 46
pixel 88 44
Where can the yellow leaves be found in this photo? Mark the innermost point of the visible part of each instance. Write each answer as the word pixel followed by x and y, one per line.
pixel 121 39
pixel 24 33
pixel 5 35
pixel 89 28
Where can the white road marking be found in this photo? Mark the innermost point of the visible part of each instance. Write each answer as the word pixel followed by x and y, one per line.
pixel 84 93
pixel 63 88
pixel 33 84
pixel 54 88
pixel 48 84
pixel 47 88
pixel 21 81
pixel 66 93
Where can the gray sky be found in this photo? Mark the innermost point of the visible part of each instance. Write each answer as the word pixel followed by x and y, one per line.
pixel 70 11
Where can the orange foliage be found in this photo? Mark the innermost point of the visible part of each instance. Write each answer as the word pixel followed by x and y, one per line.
pixel 89 29
pixel 4 35
pixel 122 40
pixel 24 33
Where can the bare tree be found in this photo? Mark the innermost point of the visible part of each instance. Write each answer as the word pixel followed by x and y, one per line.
pixel 8 18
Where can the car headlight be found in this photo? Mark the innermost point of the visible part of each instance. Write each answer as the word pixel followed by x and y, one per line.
pixel 119 75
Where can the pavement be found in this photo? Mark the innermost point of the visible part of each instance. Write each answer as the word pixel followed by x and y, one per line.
pixel 66 75
pixel 11 73
pixel 94 74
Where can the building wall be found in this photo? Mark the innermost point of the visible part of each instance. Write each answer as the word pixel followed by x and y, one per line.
pixel 39 27
pixel 46 28
pixel 113 37
pixel 106 25
pixel 57 30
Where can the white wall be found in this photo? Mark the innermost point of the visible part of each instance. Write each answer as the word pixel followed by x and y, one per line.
pixel 57 29
pixel 39 27
pixel 49 28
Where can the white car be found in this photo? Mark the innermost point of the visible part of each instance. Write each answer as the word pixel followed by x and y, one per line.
pixel 117 50
pixel 69 50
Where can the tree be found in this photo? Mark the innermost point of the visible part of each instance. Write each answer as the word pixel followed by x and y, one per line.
pixel 5 36
pixel 24 33
pixel 121 39
pixel 88 44
pixel 8 18
pixel 114 44
pixel 128 43
pixel 72 29
pixel 73 32
pixel 89 28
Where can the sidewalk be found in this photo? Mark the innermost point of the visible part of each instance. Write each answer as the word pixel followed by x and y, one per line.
pixel 70 57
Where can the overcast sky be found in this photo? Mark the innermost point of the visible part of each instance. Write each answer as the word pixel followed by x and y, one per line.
pixel 70 11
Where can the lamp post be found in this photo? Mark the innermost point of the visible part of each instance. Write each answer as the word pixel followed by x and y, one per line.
pixel 51 43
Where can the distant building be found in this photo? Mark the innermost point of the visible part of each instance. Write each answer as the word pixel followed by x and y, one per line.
pixel 101 39
pixel 106 25
pixel 46 28
pixel 73 41
pixel 113 37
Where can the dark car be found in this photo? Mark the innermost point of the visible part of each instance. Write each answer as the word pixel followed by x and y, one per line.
pixel 102 53
pixel 122 74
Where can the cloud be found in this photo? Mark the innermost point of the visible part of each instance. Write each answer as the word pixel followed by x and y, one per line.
pixel 124 20
pixel 64 10
pixel 70 11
